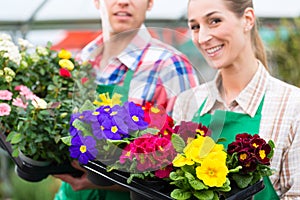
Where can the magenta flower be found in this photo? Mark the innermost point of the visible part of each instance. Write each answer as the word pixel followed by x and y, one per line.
pixel 164 172
pixel 151 152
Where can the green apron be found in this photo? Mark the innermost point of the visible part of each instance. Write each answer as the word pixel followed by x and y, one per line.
pixel 65 191
pixel 226 124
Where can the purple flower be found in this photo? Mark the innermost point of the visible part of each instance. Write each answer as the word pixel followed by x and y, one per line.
pixel 136 113
pixel 83 148
pixel 104 113
pixel 114 131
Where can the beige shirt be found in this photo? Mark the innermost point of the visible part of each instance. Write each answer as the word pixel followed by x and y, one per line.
pixel 280 121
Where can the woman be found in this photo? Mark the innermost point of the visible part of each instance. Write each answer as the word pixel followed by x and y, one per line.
pixel 250 99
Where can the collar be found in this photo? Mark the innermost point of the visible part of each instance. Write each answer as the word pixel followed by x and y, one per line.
pixel 133 52
pixel 130 56
pixel 250 97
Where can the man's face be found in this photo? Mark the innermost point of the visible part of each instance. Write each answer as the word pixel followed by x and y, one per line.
pixel 125 15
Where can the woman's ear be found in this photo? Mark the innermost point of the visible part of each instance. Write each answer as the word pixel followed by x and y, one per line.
pixel 249 18
pixel 97 4
pixel 150 4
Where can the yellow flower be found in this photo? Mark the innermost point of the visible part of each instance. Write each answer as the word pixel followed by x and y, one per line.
pixel 64 54
pixel 199 148
pixel 107 101
pixel 66 64
pixel 180 161
pixel 212 172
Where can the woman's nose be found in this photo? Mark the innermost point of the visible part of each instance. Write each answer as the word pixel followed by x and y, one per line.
pixel 204 35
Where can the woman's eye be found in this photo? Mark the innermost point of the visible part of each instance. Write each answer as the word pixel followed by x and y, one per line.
pixel 215 21
pixel 195 27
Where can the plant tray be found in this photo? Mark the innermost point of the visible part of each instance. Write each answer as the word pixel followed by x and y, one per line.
pixel 34 173
pixel 149 191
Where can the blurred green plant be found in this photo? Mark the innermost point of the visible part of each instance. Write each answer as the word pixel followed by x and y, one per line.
pixel 286 50
pixel 43 190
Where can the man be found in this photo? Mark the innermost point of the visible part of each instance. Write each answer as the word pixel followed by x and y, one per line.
pixel 158 73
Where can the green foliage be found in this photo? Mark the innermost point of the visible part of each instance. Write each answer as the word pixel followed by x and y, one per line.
pixel 190 187
pixel 38 127
pixel 285 51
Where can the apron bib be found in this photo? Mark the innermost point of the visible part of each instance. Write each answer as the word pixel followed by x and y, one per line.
pixel 226 124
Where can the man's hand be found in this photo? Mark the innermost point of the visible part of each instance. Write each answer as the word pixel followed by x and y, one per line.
pixel 82 182
pixel 77 183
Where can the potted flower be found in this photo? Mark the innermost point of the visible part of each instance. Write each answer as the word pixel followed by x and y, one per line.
pixel 136 138
pixel 36 91
pixel 203 169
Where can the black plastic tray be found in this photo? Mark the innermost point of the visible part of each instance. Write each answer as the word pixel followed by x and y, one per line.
pixel 33 173
pixel 150 192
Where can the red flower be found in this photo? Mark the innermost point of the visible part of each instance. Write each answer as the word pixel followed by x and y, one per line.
pixel 249 165
pixel 190 129
pixel 64 73
pixel 164 172
pixel 235 146
pixel 262 154
pixel 83 80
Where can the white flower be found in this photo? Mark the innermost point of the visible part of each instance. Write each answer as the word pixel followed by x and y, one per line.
pixel 11 51
pixel 39 103
pixel 35 57
pixel 42 51
pixel 4 36
pixel 24 44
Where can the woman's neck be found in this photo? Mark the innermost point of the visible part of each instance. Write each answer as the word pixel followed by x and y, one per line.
pixel 235 78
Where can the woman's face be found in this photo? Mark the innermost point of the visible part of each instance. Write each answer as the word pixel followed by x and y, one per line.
pixel 217 32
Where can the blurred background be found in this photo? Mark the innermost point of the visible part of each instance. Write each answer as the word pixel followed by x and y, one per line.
pixel 71 24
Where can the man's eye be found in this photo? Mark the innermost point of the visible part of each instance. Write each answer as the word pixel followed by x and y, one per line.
pixel 195 27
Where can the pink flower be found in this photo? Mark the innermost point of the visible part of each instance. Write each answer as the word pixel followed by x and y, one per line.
pixel 4 109
pixel 26 92
pixel 19 103
pixel 5 95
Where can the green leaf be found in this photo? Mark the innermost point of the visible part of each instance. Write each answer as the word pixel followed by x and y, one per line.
pixel 85 128
pixel 175 176
pixel 66 140
pixel 204 195
pixel 272 145
pixel 88 105
pixel 178 143
pixel 242 181
pixel 16 138
pixel 195 182
pixel 226 186
pixel 146 131
pixel 180 194
pixel 10 136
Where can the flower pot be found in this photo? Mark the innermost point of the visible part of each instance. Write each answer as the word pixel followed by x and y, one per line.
pixel 33 162
pixel 26 174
